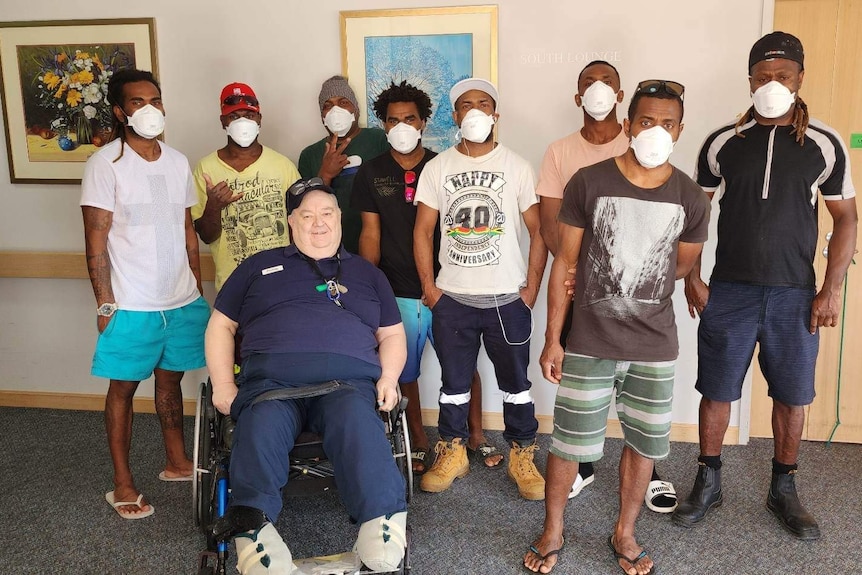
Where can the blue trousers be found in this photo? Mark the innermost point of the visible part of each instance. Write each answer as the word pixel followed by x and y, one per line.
pixel 458 332
pixel 354 439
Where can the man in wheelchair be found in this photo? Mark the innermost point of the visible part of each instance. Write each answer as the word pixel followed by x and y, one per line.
pixel 309 313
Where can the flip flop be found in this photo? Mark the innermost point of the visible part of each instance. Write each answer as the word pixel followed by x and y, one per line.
pixel 164 477
pixel 546 555
pixel 485 451
pixel 420 456
pixel 632 562
pixel 109 497
pixel 660 496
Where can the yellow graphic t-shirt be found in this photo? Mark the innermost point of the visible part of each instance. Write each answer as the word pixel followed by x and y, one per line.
pixel 255 222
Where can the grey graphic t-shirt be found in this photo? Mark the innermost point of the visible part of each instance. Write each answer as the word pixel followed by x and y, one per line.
pixel 627 261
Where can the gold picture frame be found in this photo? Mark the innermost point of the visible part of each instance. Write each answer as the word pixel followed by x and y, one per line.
pixel 53 77
pixel 430 48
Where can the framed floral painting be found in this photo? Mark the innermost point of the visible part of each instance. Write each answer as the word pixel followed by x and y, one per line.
pixel 430 48
pixel 54 79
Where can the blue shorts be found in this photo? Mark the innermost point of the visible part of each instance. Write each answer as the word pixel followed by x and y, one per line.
pixel 135 343
pixel 417 324
pixel 736 317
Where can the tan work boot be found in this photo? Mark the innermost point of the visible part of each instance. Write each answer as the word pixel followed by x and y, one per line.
pixel 522 470
pixel 451 463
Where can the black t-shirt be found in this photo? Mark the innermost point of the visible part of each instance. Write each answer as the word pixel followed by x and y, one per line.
pixel 627 262
pixel 767 225
pixel 379 187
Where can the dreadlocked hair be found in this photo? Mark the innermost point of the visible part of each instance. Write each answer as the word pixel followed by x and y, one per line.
pixel 800 120
pixel 115 97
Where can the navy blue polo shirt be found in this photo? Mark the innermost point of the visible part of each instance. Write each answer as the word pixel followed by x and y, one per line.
pixel 273 296
pixel 767 226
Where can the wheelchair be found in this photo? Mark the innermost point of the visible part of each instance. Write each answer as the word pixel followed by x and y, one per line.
pixel 310 471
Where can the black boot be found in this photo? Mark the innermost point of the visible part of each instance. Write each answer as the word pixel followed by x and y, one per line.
pixel 784 503
pixel 705 495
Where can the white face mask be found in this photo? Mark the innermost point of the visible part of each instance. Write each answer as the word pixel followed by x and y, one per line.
pixel 476 126
pixel 773 99
pixel 147 122
pixel 652 147
pixel 403 138
pixel 243 131
pixel 338 121
pixel 598 100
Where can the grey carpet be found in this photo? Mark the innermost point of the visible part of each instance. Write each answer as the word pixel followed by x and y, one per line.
pixel 55 470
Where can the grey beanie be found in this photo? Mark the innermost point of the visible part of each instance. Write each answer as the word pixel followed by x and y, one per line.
pixel 336 87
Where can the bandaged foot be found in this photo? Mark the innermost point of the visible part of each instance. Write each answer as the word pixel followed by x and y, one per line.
pixel 263 552
pixel 382 542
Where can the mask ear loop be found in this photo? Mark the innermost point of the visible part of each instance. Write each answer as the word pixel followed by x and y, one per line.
pixel 503 328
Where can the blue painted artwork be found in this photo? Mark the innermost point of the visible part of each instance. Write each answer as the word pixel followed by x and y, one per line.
pixel 432 63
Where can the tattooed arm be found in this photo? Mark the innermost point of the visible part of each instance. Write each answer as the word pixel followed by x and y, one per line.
pixel 97 222
pixel 193 250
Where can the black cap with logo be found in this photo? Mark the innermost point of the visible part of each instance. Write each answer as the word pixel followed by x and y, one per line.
pixel 777 45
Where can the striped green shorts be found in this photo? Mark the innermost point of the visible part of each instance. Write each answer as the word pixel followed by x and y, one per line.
pixel 644 393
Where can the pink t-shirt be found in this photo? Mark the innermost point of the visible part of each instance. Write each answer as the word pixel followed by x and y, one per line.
pixel 568 155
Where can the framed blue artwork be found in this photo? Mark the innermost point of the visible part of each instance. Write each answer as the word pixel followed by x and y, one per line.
pixel 430 48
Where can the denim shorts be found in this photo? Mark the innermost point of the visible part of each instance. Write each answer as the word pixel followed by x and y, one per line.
pixel 736 317
pixel 135 343
pixel 417 324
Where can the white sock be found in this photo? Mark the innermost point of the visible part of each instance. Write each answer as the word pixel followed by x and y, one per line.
pixel 263 552
pixel 382 541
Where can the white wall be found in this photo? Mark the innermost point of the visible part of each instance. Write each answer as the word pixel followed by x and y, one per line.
pixel 285 50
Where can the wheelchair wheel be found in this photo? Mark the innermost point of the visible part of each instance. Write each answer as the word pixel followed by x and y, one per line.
pixel 202 482
pixel 401 450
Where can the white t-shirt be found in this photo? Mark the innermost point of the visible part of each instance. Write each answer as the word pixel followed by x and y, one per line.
pixel 147 240
pixel 480 201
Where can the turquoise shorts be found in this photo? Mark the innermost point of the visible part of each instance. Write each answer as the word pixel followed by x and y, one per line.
pixel 135 343
pixel 417 324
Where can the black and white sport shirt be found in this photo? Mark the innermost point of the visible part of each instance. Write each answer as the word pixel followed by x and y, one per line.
pixel 767 226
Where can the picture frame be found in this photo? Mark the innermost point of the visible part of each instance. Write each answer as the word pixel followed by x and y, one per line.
pixel 53 77
pixel 430 48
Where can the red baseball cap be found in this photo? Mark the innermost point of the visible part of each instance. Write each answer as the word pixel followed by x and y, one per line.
pixel 238 96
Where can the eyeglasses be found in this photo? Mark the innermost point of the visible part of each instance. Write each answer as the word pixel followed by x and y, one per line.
pixel 666 86
pixel 236 99
pixel 409 186
pixel 299 187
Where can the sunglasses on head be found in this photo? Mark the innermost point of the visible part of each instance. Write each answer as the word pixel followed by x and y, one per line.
pixel 301 186
pixel 409 186
pixel 666 86
pixel 234 100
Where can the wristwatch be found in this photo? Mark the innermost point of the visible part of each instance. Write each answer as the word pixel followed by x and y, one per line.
pixel 107 309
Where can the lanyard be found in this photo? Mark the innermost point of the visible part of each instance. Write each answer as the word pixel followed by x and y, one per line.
pixel 330 285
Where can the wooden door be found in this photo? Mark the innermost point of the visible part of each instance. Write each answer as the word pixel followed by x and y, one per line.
pixel 833 90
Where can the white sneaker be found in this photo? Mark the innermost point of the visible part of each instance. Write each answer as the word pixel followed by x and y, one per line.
pixel 579 484
pixel 382 542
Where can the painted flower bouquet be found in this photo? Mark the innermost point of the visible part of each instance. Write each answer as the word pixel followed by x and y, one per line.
pixel 71 87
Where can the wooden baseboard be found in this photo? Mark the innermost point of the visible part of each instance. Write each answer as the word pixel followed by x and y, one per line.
pixel 79 401
pixel 65 265
pixel 686 432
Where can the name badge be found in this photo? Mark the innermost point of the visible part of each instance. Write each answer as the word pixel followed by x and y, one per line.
pixel 272 270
